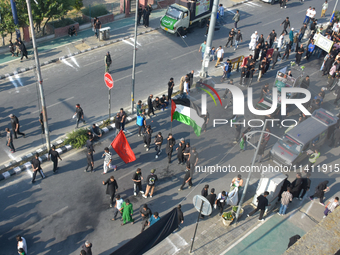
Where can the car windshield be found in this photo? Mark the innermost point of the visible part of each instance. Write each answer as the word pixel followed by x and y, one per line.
pixel 290 144
pixel 173 12
pixel 324 117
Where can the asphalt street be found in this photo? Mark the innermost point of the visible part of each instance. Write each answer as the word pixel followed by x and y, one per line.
pixel 159 57
pixel 58 214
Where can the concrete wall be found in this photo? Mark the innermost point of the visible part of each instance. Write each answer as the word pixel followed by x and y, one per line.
pixel 62 31
pixel 165 3
pixel 324 238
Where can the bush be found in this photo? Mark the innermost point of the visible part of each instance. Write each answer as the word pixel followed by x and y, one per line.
pixel 105 123
pixel 228 216
pixel 80 20
pixel 77 138
pixel 96 11
pixel 62 22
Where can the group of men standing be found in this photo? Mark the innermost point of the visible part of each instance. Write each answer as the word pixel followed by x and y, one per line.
pixel 145 13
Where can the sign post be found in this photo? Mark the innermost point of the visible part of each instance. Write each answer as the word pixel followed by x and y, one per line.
pixel 109 83
pixel 203 206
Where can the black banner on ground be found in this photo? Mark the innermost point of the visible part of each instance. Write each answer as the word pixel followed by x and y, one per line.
pixel 151 236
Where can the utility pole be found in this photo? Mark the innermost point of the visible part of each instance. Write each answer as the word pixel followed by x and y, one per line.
pixel 249 174
pixel 333 13
pixel 206 58
pixel 134 61
pixel 40 81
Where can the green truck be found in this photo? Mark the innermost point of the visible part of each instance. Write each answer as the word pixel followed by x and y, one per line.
pixel 185 14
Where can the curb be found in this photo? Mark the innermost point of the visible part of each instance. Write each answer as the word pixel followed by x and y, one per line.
pixel 23 70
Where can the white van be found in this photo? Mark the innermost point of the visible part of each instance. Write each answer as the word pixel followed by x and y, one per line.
pixel 270 1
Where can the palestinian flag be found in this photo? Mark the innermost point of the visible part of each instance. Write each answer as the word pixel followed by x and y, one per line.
pixel 182 111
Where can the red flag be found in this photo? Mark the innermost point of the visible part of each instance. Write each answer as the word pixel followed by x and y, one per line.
pixel 173 109
pixel 122 147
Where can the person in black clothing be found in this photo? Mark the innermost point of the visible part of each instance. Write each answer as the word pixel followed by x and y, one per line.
pixel 140 13
pixel 87 248
pixel 79 115
pixel 23 50
pixel 122 116
pixel 54 157
pixel 187 178
pixel 15 126
pixel 230 38
pixel 10 140
pixel 296 186
pixel 89 143
pixel 287 51
pixel 298 55
pixel 137 182
pixel 320 191
pixel 150 106
pixel 238 128
pixel 180 215
pixel 97 25
pixel 262 202
pixel 12 48
pixel 158 144
pixel 186 153
pixel 306 182
pixel 272 38
pixel 257 51
pixel 206 120
pixel 41 120
pixel 302 32
pixel 117 123
pixel 204 193
pixel 191 78
pixel 89 158
pixel 111 189
pixel 171 85
pixel 170 146
pixel 285 185
pixel 147 137
pixel 36 167
pixel 285 23
pixel 275 57
pixel 261 41
pixel 260 154
pixel 147 12
pixel 193 158
pixel 211 197
pixel 145 213
pixel 180 149
pixel 243 75
pixel 328 65
pixel 265 48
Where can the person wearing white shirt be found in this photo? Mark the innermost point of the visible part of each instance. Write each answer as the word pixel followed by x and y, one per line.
pixel 306 20
pixel 21 243
pixel 186 88
pixel 312 14
pixel 336 27
pixel 324 8
pixel 118 207
pixel 280 41
pixel 253 39
pixel 219 54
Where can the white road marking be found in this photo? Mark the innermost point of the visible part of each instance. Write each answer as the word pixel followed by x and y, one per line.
pixel 14 83
pixel 252 3
pixel 126 76
pixel 128 43
pixel 249 4
pixel 231 11
pixel 18 79
pixel 67 63
pixel 39 222
pixel 133 39
pixel 270 22
pixel 173 245
pixel 56 103
pixel 306 213
pixel 74 61
pixel 185 54
pixel 9 154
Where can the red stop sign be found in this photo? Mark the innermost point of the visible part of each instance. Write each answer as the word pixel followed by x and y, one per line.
pixel 108 80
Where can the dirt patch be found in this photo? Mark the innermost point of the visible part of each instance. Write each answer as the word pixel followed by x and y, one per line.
pixel 82 46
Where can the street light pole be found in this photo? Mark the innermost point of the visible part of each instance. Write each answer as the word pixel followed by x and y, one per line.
pixel 206 58
pixel 249 174
pixel 40 81
pixel 134 61
pixel 333 13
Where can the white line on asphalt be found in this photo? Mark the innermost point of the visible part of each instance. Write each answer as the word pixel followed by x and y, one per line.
pixel 126 76
pixel 173 245
pixel 132 39
pixel 243 237
pixel 249 4
pixel 270 22
pixel 128 43
pixel 56 103
pixel 184 54
pixel 39 222
pixel 231 11
pixel 252 3
pixel 307 211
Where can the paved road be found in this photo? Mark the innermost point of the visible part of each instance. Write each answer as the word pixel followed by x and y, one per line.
pixel 59 213
pixel 80 79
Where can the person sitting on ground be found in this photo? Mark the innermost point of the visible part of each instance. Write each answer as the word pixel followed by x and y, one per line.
pixel 164 101
pixel 157 104
pixel 96 131
pixel 71 31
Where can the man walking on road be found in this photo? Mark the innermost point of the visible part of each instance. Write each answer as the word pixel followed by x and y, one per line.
pixel 122 116
pixel 170 146
pixel 36 167
pixel 158 144
pixel 118 207
pixel 108 62
pixel 89 157
pixel 127 212
pixel 285 23
pixel 187 178
pixel 150 106
pixel 219 55
pixel 145 213
pixel 275 57
pixel 202 48
pixel 286 197
pixel 137 182
pixel 150 187
pixel 54 156
pixel 107 159
pixel 21 243
pixel 111 189
pixel 180 149
pixel 302 31
pixel 41 121
pixel 262 202
pixel 140 13
pixel 272 38
pixel 79 115
pixel 10 140
pixel 230 38
pixel 238 38
pixel 171 85
pixel 15 126
pixel 236 18
pixel 324 8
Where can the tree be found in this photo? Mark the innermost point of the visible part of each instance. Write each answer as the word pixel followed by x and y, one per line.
pixel 7 25
pixel 78 4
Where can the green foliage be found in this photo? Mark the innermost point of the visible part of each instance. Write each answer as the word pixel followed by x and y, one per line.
pixel 62 22
pixel 228 216
pixel 7 25
pixel 337 15
pixel 78 4
pixel 77 138
pixel 80 20
pixel 96 11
